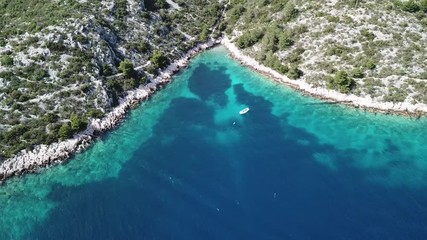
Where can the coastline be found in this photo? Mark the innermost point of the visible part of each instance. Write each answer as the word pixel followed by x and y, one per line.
pixel 331 96
pixel 46 155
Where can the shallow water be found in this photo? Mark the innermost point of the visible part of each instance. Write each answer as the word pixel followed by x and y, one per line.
pixel 186 165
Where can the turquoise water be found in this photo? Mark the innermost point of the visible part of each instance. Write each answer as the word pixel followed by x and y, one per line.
pixel 186 165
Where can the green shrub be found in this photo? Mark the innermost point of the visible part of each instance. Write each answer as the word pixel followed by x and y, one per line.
pixel 367 34
pixel 159 60
pixel 341 82
pixel 95 113
pixel 357 73
pixel 143 46
pixel 290 12
pixel 204 34
pixel 295 55
pixel 222 26
pixel 106 70
pixel 299 29
pixel 39 74
pixel 334 19
pixel 270 39
pixel 213 10
pixel 330 29
pixel 127 68
pixel 143 80
pixel 423 5
pixel 49 118
pixel 369 50
pixel 410 6
pixel 397 36
pixel 338 50
pixel 236 12
pixel 78 123
pixel 65 131
pixel 114 85
pixel 82 39
pixel 274 62
pixel 396 95
pixel 6 60
pixel 152 70
pixel 248 39
pixel 423 75
pixel 13 135
pixel 294 72
pixel 414 36
pixel 2 42
pixel 370 64
pixel 56 46
pixel 285 40
pixel 121 8
pixel 130 83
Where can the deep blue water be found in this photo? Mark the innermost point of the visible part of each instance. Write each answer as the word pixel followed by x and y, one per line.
pixel 292 168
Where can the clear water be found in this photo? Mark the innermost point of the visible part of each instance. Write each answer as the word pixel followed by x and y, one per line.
pixel 186 165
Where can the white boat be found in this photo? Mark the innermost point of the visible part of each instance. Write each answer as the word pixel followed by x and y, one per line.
pixel 243 111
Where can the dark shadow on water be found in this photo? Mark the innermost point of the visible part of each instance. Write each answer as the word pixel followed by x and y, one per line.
pixel 210 84
pixel 266 186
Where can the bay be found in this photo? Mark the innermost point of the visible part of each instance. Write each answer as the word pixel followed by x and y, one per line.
pixel 187 165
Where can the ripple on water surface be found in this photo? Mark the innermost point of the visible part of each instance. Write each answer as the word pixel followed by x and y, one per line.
pixel 186 165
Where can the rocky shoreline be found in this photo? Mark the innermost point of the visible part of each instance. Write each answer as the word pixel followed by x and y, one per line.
pixel 407 109
pixel 45 155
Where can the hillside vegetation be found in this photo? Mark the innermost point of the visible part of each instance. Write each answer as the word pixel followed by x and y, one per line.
pixel 372 48
pixel 63 62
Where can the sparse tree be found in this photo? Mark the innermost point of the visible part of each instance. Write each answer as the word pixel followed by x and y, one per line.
pixel 290 11
pixel 294 72
pixel 423 5
pixel 65 131
pixel 285 40
pixel 341 82
pixel 270 39
pixel 204 34
pixel 410 6
pixel 126 67
pixel 6 60
pixel 159 60
pixel 78 123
